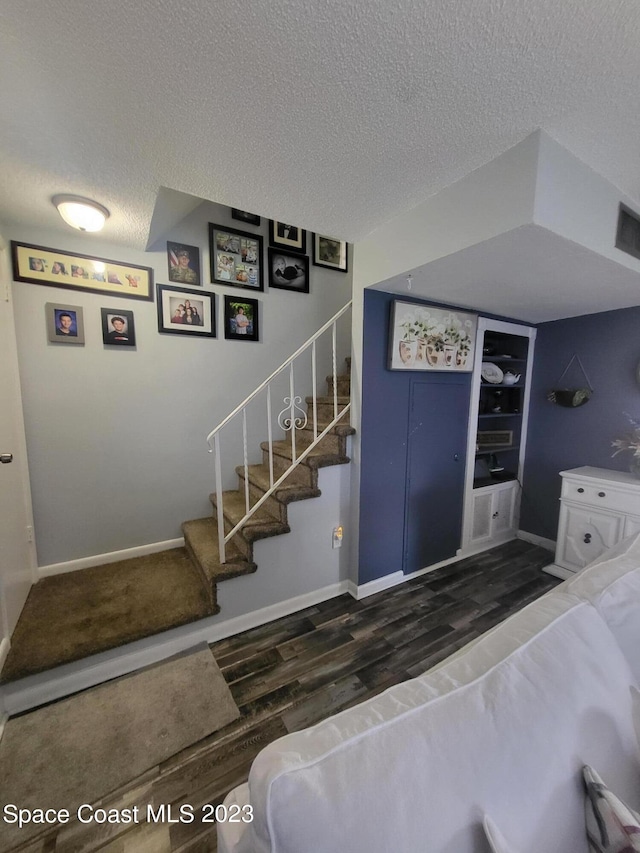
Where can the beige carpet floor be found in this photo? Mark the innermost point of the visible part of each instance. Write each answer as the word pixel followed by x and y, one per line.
pixel 79 749
pixel 71 616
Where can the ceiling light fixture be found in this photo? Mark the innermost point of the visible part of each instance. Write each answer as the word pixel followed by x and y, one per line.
pixel 409 281
pixel 81 213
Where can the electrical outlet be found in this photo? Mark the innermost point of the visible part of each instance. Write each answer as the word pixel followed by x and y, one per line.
pixel 337 537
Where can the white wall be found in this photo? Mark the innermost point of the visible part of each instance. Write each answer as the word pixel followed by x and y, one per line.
pixel 116 437
pixel 577 203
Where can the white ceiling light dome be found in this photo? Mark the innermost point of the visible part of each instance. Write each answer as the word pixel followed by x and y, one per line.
pixel 81 213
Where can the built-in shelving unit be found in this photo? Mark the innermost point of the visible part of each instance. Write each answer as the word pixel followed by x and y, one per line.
pixel 497 432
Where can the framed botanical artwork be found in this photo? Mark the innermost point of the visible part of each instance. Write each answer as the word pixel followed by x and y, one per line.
pixel 245 216
pixel 289 237
pixel 288 271
pixel 184 263
pixel 241 319
pixel 426 338
pixel 236 257
pixel 186 312
pixel 65 323
pixel 39 265
pixel 118 329
pixel 330 253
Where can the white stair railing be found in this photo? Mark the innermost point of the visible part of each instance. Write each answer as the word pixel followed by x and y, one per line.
pixel 290 419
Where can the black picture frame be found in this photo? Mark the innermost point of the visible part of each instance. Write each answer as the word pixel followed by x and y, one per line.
pixel 245 216
pixel 236 258
pixel 75 271
pixel 287 237
pixel 250 309
pixel 179 272
pixel 171 299
pixel 330 253
pixel 118 328
pixel 288 271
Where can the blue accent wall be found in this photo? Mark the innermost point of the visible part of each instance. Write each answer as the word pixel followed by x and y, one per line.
pixel 608 345
pixel 384 428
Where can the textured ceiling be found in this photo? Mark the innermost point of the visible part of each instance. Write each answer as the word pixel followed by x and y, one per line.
pixel 333 114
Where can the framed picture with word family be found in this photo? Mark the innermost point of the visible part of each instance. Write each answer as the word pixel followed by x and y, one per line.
pixel 56 268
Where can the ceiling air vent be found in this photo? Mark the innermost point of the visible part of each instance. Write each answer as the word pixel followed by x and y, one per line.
pixel 628 233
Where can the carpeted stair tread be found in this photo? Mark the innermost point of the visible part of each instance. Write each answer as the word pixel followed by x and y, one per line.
pixel 286 493
pixel 317 458
pixel 328 400
pixel 201 541
pixel 262 523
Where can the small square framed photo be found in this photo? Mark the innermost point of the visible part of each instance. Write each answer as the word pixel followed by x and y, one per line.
pixel 184 263
pixel 245 216
pixel 186 312
pixel 330 253
pixel 288 271
pixel 241 319
pixel 288 237
pixel 236 257
pixel 65 324
pixel 118 329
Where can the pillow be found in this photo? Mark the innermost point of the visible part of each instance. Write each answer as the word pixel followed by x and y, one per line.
pixel 611 826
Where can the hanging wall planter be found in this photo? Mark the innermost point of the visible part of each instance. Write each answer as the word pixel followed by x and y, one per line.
pixel 571 398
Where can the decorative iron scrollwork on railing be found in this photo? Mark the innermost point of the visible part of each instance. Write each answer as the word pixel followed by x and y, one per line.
pixel 287 418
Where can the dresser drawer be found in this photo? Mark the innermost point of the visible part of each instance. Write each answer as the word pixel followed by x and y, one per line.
pixel 601 496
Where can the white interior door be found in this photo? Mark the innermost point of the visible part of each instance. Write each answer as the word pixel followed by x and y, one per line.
pixel 17 555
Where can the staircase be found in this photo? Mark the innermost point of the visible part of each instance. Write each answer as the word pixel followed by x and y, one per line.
pixel 271 519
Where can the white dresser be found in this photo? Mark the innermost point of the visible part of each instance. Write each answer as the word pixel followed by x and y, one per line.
pixel 598 508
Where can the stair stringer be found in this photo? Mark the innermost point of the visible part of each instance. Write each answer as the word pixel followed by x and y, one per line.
pixel 272 519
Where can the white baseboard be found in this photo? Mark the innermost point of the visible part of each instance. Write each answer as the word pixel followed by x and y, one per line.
pixel 380 584
pixel 549 544
pixel 111 557
pixel 35 690
pixel 359 591
pixel 558 571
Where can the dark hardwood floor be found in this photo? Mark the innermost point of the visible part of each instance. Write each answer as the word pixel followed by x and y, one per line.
pixel 300 669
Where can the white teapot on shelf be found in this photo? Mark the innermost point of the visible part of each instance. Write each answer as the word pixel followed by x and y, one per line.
pixel 510 378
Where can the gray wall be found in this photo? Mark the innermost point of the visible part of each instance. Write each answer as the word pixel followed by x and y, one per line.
pixel 116 437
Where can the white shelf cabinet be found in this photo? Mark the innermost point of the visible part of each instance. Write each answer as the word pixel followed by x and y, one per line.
pixel 598 508
pixel 492 501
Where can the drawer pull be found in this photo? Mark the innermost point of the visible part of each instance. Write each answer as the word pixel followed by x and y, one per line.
pixel 580 491
pixel 602 494
pixel 587 538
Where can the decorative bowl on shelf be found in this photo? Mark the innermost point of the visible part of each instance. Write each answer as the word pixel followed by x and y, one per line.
pixel 491 373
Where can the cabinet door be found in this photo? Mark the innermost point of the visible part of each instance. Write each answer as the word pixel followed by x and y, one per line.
pixel 588 534
pixel 502 513
pixel 435 470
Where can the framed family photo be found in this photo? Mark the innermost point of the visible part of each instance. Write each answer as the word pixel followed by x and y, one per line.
pixel 118 329
pixel 330 253
pixel 186 312
pixel 241 319
pixel 286 236
pixel 245 216
pixel 426 338
pixel 39 265
pixel 184 263
pixel 65 323
pixel 288 271
pixel 236 257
